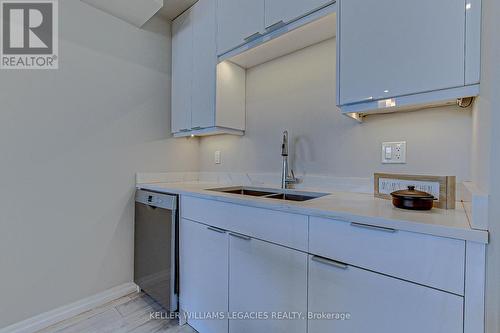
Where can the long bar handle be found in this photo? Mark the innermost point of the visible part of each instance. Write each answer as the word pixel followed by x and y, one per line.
pixel 373 227
pixel 240 236
pixel 252 36
pixel 220 231
pixel 330 262
pixel 276 25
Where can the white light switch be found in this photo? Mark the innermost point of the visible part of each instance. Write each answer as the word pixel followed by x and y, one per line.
pixel 388 152
pixel 217 157
pixel 394 152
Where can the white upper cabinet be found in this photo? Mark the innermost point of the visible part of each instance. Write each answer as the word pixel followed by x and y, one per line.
pixel 398 47
pixel 243 21
pixel 205 100
pixel 182 67
pixel 284 11
pixel 204 64
pixel 238 22
pixel 394 48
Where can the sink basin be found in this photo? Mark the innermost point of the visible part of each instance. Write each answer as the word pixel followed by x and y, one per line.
pixel 245 191
pixel 294 196
pixel 290 195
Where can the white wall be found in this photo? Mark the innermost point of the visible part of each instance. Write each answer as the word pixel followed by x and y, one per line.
pixel 486 153
pixel 71 141
pixel 297 92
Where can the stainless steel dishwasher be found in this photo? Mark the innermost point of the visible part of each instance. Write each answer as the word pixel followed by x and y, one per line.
pixel 156 247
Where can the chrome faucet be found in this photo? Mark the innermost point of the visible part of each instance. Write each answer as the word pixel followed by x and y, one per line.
pixel 287 175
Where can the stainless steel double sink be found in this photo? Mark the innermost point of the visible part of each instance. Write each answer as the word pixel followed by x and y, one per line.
pixel 290 195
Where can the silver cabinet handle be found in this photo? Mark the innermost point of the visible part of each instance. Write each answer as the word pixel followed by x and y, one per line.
pixel 220 231
pixel 197 128
pixel 252 36
pixel 185 130
pixel 330 262
pixel 373 227
pixel 240 236
pixel 275 26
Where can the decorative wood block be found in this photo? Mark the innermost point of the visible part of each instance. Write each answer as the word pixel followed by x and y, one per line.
pixel 442 187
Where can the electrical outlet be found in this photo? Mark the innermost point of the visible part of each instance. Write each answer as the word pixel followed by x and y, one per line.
pixel 394 152
pixel 217 157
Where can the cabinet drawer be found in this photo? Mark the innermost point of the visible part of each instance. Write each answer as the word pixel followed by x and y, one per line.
pixel 378 303
pixel 269 225
pixel 433 261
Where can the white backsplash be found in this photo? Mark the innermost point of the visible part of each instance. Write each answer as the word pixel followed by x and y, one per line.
pixel 311 182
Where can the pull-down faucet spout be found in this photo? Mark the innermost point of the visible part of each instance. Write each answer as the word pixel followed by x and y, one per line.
pixel 287 175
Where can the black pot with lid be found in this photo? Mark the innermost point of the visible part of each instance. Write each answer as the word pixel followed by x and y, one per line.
pixel 412 199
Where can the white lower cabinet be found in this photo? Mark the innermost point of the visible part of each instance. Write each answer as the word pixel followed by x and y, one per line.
pixel 203 275
pixel 271 288
pixel 428 260
pixel 266 278
pixel 377 303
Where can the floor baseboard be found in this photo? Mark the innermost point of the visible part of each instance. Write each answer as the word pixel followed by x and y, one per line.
pixel 55 316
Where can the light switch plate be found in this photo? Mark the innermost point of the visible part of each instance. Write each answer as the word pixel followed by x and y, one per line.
pixel 394 152
pixel 217 157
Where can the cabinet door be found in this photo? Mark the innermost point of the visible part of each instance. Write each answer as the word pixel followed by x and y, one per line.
pixel 182 71
pixel 204 275
pixel 266 278
pixel 377 303
pixel 287 10
pixel 390 48
pixel 204 64
pixel 237 20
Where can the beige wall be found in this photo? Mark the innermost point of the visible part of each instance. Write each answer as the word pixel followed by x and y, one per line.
pixel 297 92
pixel 69 151
pixel 71 141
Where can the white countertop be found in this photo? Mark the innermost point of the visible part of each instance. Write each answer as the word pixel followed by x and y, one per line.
pixel 353 207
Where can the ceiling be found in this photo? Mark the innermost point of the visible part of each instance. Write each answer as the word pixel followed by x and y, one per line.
pixel 139 12
pixel 173 8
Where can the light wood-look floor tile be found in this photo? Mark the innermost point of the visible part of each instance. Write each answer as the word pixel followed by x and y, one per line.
pixel 129 314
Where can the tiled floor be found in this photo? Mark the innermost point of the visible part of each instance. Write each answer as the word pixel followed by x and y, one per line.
pixel 129 314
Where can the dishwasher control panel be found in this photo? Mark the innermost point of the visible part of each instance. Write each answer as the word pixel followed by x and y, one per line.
pixel 154 199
